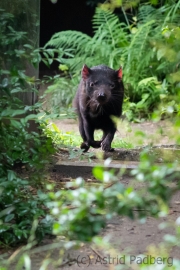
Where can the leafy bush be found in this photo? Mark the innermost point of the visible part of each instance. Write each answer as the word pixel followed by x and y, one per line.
pixel 22 141
pixel 81 213
pixel 19 209
pixel 61 92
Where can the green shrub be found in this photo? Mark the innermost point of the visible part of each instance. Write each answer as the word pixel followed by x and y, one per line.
pixel 81 212
pixel 22 141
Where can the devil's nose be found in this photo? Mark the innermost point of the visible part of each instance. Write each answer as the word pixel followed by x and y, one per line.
pixel 101 97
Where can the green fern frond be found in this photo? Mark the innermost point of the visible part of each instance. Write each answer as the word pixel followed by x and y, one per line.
pixel 145 12
pixel 69 39
pixel 108 28
pixel 103 17
pixel 162 15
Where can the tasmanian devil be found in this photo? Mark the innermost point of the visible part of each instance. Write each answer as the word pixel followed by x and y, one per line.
pixel 98 98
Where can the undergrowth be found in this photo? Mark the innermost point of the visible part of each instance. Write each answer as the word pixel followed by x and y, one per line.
pixel 24 150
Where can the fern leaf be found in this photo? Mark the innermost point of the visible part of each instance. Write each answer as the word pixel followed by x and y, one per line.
pixel 72 39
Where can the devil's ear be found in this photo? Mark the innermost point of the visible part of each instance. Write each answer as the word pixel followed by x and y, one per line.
pixel 120 73
pixel 85 72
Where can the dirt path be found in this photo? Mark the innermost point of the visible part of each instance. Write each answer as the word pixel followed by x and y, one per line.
pixel 160 133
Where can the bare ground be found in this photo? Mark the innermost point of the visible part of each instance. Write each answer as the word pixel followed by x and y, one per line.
pixel 159 133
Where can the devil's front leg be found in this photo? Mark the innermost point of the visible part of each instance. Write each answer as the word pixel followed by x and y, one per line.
pixel 87 133
pixel 108 136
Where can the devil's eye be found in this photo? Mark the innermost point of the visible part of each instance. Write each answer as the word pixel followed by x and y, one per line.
pixel 112 85
pixel 93 83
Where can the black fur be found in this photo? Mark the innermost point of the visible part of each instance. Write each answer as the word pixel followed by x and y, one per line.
pixel 99 96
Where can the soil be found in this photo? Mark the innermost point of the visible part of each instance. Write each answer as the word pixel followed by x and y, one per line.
pixel 125 236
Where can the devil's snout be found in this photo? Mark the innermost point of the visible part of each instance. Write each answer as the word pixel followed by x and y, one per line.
pixel 101 97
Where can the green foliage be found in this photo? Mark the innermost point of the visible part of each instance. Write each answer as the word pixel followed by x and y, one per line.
pixel 19 208
pixel 147 48
pixel 61 92
pixel 60 138
pixel 22 141
pixel 81 213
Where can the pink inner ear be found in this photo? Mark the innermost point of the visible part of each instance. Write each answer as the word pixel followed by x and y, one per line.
pixel 85 72
pixel 120 73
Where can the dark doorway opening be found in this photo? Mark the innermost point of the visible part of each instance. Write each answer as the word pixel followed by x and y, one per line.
pixel 63 15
